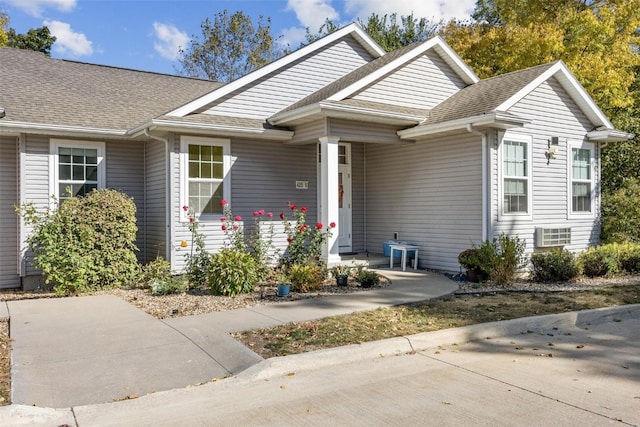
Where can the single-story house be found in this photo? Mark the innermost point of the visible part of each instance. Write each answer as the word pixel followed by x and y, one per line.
pixel 408 144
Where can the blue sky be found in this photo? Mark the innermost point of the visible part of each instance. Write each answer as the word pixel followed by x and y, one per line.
pixel 146 34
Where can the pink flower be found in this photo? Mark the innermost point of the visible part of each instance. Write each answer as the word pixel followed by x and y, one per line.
pixel 332 225
pixel 185 208
pixel 281 215
pixel 190 219
pixel 255 213
pixel 270 214
pixel 303 209
pixel 319 226
pixel 223 218
pixel 235 227
pixel 261 212
pixel 224 228
pixel 238 218
pixel 223 203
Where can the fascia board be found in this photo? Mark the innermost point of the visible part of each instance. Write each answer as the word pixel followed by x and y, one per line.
pixel 51 129
pixel 573 87
pixel 460 124
pixel 468 75
pixel 609 135
pixel 276 65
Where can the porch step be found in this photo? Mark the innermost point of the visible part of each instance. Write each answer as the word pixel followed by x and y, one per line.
pixel 370 260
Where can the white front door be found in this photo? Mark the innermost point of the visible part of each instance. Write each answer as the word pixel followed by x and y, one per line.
pixel 344 197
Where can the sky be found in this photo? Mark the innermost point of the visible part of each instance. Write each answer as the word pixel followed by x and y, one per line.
pixel 147 34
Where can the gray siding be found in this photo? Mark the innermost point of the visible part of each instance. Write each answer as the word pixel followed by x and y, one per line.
pixel 554 114
pixel 263 176
pixel 428 192
pixel 423 83
pixel 9 277
pixel 155 200
pixel 358 211
pixel 278 90
pixel 349 131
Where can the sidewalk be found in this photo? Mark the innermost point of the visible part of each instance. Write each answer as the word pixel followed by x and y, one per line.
pixel 87 350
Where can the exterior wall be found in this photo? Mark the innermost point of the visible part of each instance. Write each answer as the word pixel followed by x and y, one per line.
pixel 554 114
pixel 9 277
pixel 155 188
pixel 358 187
pixel 278 90
pixel 430 193
pixel 263 176
pixel 423 83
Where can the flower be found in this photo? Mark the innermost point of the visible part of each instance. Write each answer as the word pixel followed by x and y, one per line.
pixel 191 219
pixel 319 226
pixel 223 218
pixel 224 228
pixel 270 214
pixel 281 215
pixel 293 207
pixel 223 203
pixel 185 208
pixel 238 218
pixel 332 225
pixel 303 209
pixel 289 239
pixel 255 213
pixel 235 227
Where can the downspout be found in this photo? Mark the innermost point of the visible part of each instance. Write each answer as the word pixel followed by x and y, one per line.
pixel 168 194
pixel 485 188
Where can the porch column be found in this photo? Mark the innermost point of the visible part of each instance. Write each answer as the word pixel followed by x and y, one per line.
pixel 329 195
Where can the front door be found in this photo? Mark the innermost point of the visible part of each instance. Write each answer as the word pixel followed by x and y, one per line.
pixel 344 197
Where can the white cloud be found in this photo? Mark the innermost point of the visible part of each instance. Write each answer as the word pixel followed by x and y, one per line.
pixel 36 7
pixel 292 37
pixel 430 9
pixel 68 41
pixel 169 40
pixel 311 14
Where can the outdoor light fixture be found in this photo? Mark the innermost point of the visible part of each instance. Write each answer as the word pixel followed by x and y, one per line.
pixel 2 113
pixel 551 152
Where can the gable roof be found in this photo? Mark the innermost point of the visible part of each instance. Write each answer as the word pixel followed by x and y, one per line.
pixel 353 30
pixel 37 91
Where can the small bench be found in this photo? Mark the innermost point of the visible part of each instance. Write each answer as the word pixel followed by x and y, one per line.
pixel 404 249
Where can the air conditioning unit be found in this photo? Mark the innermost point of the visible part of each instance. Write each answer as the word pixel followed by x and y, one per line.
pixel 550 237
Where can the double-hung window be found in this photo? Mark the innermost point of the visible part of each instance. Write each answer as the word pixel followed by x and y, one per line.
pixel 516 175
pixel 205 166
pixel 76 169
pixel 580 174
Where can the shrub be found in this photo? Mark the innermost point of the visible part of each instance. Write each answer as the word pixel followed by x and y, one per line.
pixel 599 261
pixel 306 277
pixel 86 243
pixel 498 259
pixel 198 258
pixel 367 278
pixel 232 272
pixel 629 258
pixel 621 214
pixel 157 276
pixel 558 265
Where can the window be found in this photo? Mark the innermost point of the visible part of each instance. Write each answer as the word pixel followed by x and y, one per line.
pixel 580 173
pixel 205 166
pixel 516 175
pixel 77 168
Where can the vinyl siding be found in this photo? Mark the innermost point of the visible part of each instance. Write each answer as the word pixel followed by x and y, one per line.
pixel 553 113
pixel 9 277
pixel 358 215
pixel 263 176
pixel 280 89
pixel 428 192
pixel 423 83
pixel 156 200
pixel 349 131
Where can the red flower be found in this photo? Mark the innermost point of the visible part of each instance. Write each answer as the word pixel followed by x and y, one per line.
pixel 289 239
pixel 303 209
pixel 238 218
pixel 293 207
pixel 223 218
pixel 224 228
pixel 270 214
pixel 303 227
pixel 185 208
pixel 281 215
pixel 319 226
pixel 235 227
pixel 190 219
pixel 223 203
pixel 332 225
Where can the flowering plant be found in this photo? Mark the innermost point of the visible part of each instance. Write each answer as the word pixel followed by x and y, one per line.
pixel 305 241
pixel 261 243
pixel 198 262
pixel 231 227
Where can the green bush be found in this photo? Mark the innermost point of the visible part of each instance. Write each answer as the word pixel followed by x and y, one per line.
pixel 232 272
pixel 306 277
pixel 630 258
pixel 498 259
pixel 157 276
pixel 367 278
pixel 558 265
pixel 86 243
pixel 621 214
pixel 600 261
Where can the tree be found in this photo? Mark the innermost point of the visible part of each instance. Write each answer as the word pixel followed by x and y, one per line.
pixel 4 21
pixel 230 47
pixel 386 30
pixel 37 39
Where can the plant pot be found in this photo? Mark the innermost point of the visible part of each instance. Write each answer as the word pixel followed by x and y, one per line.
pixel 475 275
pixel 283 289
pixel 342 280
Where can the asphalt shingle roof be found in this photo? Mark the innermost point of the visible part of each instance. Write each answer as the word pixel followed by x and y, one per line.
pixel 37 89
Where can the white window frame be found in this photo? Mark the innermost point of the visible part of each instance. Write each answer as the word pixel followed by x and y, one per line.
pixel 54 144
pixel 584 145
pixel 527 139
pixel 185 141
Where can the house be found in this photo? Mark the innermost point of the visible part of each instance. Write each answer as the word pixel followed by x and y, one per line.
pixel 409 142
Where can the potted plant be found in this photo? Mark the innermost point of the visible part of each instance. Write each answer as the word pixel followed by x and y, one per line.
pixel 284 284
pixel 341 273
pixel 367 278
pixel 470 259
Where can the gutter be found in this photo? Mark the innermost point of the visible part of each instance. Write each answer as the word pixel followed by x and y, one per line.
pixel 61 130
pixel 201 128
pixel 495 120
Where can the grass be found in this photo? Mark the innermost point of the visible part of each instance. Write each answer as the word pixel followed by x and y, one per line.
pixel 432 315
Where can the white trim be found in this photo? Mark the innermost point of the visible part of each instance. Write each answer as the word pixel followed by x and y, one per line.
pixel 527 139
pixel 22 197
pixel 185 140
pixel 585 145
pixel 225 130
pixel 62 130
pixel 464 71
pixel 496 120
pixel 354 29
pixel 571 85
pixel 54 144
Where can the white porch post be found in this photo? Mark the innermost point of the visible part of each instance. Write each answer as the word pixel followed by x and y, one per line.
pixel 329 195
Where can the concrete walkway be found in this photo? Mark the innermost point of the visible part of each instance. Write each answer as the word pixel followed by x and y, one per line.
pixel 87 350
